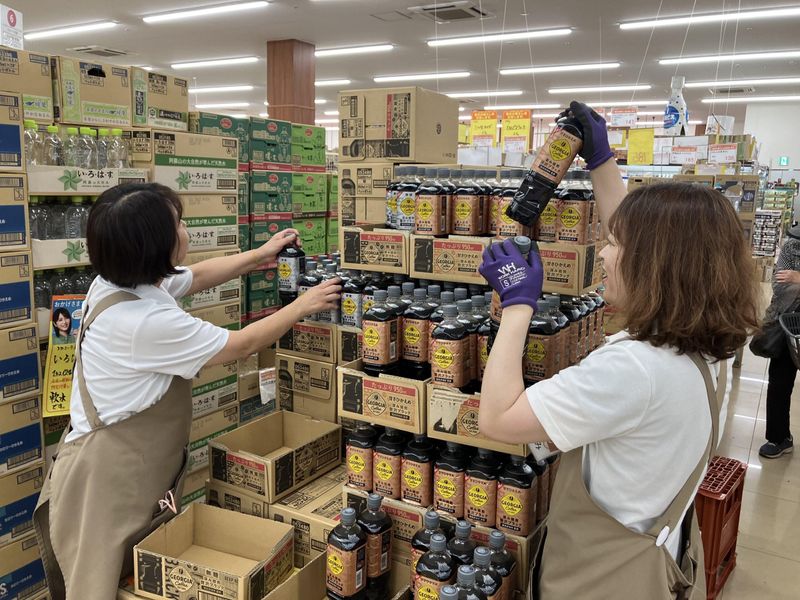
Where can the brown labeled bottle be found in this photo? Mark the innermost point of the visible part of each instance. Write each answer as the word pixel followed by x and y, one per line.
pixel 433 204
pixel 461 547
pixel 345 573
pixel 542 471
pixel 448 481
pixel 541 358
pixel 496 201
pixel 600 334
pixel 437 316
pixel 575 328
pixel 378 527
pixel 506 226
pixel 584 343
pixel 523 243
pixel 435 569
pixel 516 498
pixel 421 542
pixel 480 489
pixel 381 328
pixel 487 578
pixel 387 463
pixel 358 456
pixel 450 350
pixel 468 206
pixel 502 560
pixel 472 323
pixel 416 482
pixel 465 584
pixel 486 183
pixel 416 334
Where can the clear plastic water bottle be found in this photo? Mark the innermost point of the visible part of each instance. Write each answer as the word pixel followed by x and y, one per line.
pixel 76 218
pixel 56 222
pixel 61 283
pixel 37 217
pixel 52 148
pixel 86 152
pixel 81 280
pixel 118 152
pixel 71 147
pixel 33 143
pixel 42 291
pixel 103 145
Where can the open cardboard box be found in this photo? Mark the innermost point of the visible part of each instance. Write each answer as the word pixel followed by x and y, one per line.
pixel 455 258
pixel 348 344
pixel 309 339
pixel 371 248
pixel 277 454
pixel 307 387
pixel 208 551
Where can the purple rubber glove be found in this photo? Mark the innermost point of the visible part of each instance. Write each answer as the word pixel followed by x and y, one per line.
pixel 596 150
pixel 518 280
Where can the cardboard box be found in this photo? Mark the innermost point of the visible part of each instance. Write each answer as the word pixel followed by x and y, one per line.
pixel 194 488
pixel 270 144
pixel 254 408
pixel 224 293
pixel 453 417
pixel 704 180
pixel 308 136
pixel 371 248
pixel 224 126
pixel 333 192
pixel 386 400
pixel 160 101
pixel 16 288
pixel 239 557
pixel 456 258
pixel 332 234
pixel 270 130
pixel 14 220
pixel 196 163
pixel 262 281
pixel 348 344
pixel 307 387
pixel 11 143
pixel 244 194
pixel 262 304
pixel 71 181
pixel 263 227
pixel 215 386
pixel 568 268
pixel 244 233
pixel 28 73
pixel 310 160
pixel 18 495
pixel 248 378
pixel 271 192
pixel 212 221
pixel 224 315
pixel 88 93
pixel 397 124
pixel 741 190
pixel 275 455
pixel 309 194
pixel 21 570
pixel 140 146
pixel 365 179
pixel 55 254
pixel 205 429
pixel 19 363
pixel 236 499
pixel 309 339
pixel 313 234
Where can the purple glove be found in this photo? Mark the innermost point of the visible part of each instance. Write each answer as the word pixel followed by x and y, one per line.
pixel 596 149
pixel 518 280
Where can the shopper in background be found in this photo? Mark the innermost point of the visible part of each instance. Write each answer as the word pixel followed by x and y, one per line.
pixel 639 418
pixel 782 370
pixel 118 472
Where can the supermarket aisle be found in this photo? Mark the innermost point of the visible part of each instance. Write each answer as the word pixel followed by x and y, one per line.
pixel 768 564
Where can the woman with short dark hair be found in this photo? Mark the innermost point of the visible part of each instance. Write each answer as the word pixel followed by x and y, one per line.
pixel 118 472
pixel 62 326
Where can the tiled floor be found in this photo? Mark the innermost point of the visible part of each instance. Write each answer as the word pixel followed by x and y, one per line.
pixel 768 563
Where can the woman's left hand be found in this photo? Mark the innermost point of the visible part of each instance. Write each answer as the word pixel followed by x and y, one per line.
pixel 269 251
pixel 788 277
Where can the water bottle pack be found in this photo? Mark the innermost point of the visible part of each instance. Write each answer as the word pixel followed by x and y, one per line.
pixel 80 147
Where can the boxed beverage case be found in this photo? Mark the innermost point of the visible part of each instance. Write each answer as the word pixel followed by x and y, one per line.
pixel 215 386
pixel 140 146
pixel 11 129
pixel 365 179
pixel 238 556
pixel 348 344
pixel 194 488
pixel 456 258
pixel 207 428
pixel 16 288
pixel 223 315
pixel 196 163
pixel 313 234
pixel 568 268
pixel 221 294
pixel 21 570
pixel 236 499
pixel 271 192
pixel 53 428
pixel 14 223
pixel 244 193
pixel 18 495
pixel 270 144
pixel 212 221
pixel 308 136
pixel 72 181
pixel 160 101
pixel 88 93
pixel 28 73
pixel 333 192
pixel 371 248
pixel 397 124
pixel 741 190
pixel 275 455
pixel 19 363
pixel 223 126
pixel 264 226
pixel 307 387
pixel 308 339
pixel 254 408
pixel 332 234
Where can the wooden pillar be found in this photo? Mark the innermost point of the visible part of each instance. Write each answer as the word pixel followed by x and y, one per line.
pixel 290 80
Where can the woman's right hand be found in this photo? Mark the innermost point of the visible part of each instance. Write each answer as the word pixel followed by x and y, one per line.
pixel 787 276
pixel 319 298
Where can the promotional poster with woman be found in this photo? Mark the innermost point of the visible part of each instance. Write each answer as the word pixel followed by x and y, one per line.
pixel 65 319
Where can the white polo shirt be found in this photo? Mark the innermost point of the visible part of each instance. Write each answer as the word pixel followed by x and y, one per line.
pixel 132 351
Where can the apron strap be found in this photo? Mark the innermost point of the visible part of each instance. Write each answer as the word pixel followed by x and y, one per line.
pixel 89 316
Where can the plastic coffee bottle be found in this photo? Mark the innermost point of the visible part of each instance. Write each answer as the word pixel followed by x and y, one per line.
pixel 378 527
pixel 594 309
pixel 502 560
pixel 435 569
pixel 416 481
pixel 542 470
pixel 487 579
pixel 407 295
pixel 465 584
pixel 449 472
pixel 472 323
pixel 407 191
pixel 433 205
pixel 575 328
pixel 461 548
pixel 486 183
pixel 434 295
pixel 479 308
pixel 359 455
pixel 394 300
pixel 516 498
pixel 548 168
pixel 541 358
pixel 437 316
pixel 391 198
pixel 496 201
pixel 370 285
pixel 345 573
pixel 353 300
pixel 421 542
pixel 291 266
pixel 450 350
pixel 416 333
pixel 554 312
pixel 586 320
pixel 387 463
pixel 524 244
pixel 480 488
pixel 332 315
pixel 308 281
pixel 506 226
pixel 600 333
pixel 381 329
pixel 468 205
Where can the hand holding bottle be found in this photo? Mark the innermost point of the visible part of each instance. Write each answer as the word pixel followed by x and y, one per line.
pixel 322 297
pixel 596 149
pixel 269 251
pixel 518 280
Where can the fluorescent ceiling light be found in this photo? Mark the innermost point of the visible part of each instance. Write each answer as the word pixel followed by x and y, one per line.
pixel 331 82
pixel 520 106
pixel 144 67
pixel 737 82
pixel 560 68
pixel 500 37
pixel 461 109
pixel 421 76
pixel 325 121
pixel 745 15
pixel 730 57
pixel 266 103
pixel 695 122
pixel 263 115
pixel 354 50
pixel 332 113
pixel 485 94
pixel 235 115
pixel 602 104
pixel 601 88
pixel 465 117
pixel 204 12
pixel 320 101
pixel 747 99
pixel 40 35
pixel 221 89
pixel 220 62
pixel 223 105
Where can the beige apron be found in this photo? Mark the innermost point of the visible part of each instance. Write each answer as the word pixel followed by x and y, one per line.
pixel 101 496
pixel 589 554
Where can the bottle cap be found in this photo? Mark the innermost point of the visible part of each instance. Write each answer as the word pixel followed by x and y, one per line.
pixel 420 294
pixel 468 173
pixel 394 291
pixel 77 199
pixel 463 529
pixel 420 437
pixel 523 243
pixel 461 293
pixel 434 290
pixel 464 306
pixel 381 295
pixel 542 306
pixel 86 130
pixel 348 516
pixel 450 311
pixel 453 447
pixel 487 297
pixel 478 301
pixel 408 288
pixel 30 124
pixel 456 173
pixel 431 520
pixel 466 576
pixel 430 173
pixel 330 268
pixel 438 542
pixel 448 297
pixel 482 557
pixel 517 460
pixel 103 132
pixel 374 502
pixel 116 132
pixel 497 540
pixel 93 132
pixel 448 592
pixel 484 453
pixel 443 173
pixel 72 131
pixel 52 129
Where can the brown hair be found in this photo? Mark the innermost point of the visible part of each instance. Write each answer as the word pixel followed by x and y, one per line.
pixel 687 269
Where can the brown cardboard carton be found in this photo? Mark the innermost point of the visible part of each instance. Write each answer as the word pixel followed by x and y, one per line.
pixel 89 93
pixel 308 339
pixel 236 499
pixel 238 556
pixel 248 384
pixel 386 400
pixel 223 315
pixel 205 429
pixel 637 182
pixel 348 344
pixel 21 570
pixel 19 364
pixel 18 494
pixel 11 142
pixel 704 180
pixel 14 213
pixel 194 488
pixel 160 101
pixel 213 387
pixel 362 211
pixel 307 387
pixel 275 455
pixel 741 190
pixel 212 221
pixel 568 268
pixel 397 124
pixel 220 294
pixel 140 143
pixel 366 179
pixel 16 288
pixel 456 258
pixel 28 73
pixel 371 248
pixel 196 164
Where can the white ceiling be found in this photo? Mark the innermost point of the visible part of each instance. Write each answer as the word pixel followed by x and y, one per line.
pixel 339 23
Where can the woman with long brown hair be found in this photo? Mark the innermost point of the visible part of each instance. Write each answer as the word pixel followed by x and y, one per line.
pixel 639 419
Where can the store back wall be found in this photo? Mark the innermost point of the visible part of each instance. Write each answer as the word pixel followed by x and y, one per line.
pixel 777 129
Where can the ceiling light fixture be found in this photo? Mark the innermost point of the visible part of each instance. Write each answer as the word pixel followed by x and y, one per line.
pixel 220 62
pixel 746 99
pixel 465 117
pixel 747 15
pixel 560 68
pixel 325 121
pixel 221 89
pixel 695 122
pixel 354 50
pixel 331 82
pixel 144 67
pixel 485 94
pixel 500 37
pixel 520 106
pixel 223 105
pixel 601 88
pixel 180 15
pixel 236 115
pixel 421 76
pixel 100 25
pixel 748 56
pixel 602 104
pixel 738 82
pixel 320 101
pixel 331 113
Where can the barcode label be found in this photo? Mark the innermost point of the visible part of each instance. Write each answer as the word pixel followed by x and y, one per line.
pixel 228 398
pixel 9 157
pixel 207 596
pixel 229 294
pixel 6 239
pixel 14 261
pixel 13 314
pixel 227 184
pixel 19 407
pixel 124 180
pixel 8 101
pixel 32 474
pixel 32 591
pixel 23 458
pixel 10 182
pixel 359 578
pixel 21 529
pixel 226 239
pixel 14 389
pixel 21 334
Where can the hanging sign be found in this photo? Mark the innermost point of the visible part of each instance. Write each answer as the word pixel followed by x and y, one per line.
pixel 683 155
pixel 65 319
pixel 722 153
pixel 515 134
pixel 624 117
pixel 483 128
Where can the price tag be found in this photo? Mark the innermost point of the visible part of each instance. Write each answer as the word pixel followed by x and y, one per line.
pixel 722 153
pixel 683 155
pixel 624 117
